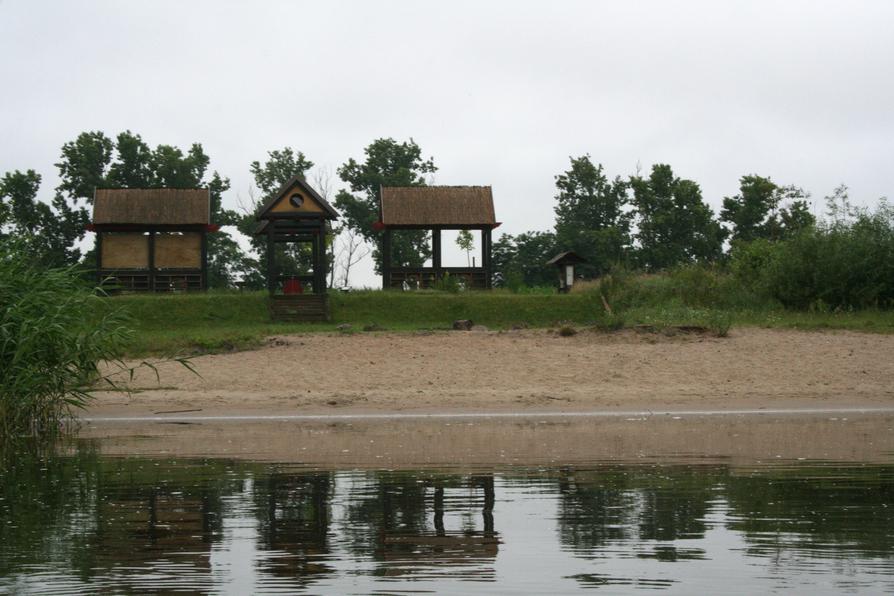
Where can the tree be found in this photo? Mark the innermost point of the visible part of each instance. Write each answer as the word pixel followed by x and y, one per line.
pixel 280 167
pixel 756 211
pixel 465 241
pixel 93 161
pixel 49 233
pixel 387 163
pixel 521 260
pixel 590 215
pixel 674 225
pixel 350 250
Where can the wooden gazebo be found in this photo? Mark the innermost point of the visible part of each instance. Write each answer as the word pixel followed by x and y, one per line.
pixel 297 214
pixel 436 208
pixel 152 239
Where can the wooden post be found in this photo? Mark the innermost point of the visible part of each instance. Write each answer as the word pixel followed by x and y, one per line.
pixel 386 259
pixel 152 261
pixel 316 250
pixel 271 261
pixel 323 255
pixel 205 260
pixel 486 241
pixel 436 251
pixel 98 258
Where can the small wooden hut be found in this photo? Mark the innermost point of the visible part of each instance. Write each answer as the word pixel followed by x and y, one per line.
pixel 152 239
pixel 436 208
pixel 297 214
pixel 565 262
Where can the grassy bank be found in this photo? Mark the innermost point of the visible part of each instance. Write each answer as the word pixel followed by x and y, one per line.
pixel 223 321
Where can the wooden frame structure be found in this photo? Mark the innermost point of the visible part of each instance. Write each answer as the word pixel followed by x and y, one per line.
pixel 297 214
pixel 436 208
pixel 565 262
pixel 152 239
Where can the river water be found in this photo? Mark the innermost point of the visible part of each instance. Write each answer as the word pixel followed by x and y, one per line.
pixel 81 522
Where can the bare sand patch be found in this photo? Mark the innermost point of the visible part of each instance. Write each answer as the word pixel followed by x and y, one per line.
pixel 522 371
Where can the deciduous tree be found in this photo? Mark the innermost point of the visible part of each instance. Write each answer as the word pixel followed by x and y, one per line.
pixel 386 163
pixel 674 224
pixel 590 215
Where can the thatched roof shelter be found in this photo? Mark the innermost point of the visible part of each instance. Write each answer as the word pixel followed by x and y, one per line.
pixel 425 206
pixel 152 206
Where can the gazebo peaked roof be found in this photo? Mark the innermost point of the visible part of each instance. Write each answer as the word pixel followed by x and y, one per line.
pixel 566 258
pixel 152 206
pixel 423 206
pixel 298 181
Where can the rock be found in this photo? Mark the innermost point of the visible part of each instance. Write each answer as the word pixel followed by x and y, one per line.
pixel 462 325
pixel 479 328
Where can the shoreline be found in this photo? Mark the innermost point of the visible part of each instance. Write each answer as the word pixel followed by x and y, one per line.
pixel 525 398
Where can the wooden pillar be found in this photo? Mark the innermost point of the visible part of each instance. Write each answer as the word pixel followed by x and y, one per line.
pixel 436 251
pixel 321 257
pixel 98 258
pixel 386 259
pixel 152 261
pixel 316 257
pixel 205 260
pixel 486 254
pixel 271 261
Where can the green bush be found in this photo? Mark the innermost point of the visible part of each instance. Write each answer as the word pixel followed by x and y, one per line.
pixel 843 266
pixel 54 332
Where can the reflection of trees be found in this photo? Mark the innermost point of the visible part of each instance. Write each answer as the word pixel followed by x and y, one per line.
pixel 631 502
pixel 821 508
pixel 401 521
pixel 105 515
pixel 293 517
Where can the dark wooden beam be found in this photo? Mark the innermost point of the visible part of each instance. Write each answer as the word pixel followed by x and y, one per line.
pixel 486 256
pixel 205 261
pixel 386 259
pixel 322 257
pixel 271 260
pixel 98 249
pixel 436 251
pixel 151 261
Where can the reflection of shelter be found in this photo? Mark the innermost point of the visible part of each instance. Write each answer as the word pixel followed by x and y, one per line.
pixel 565 262
pixel 152 239
pixel 294 521
pixel 436 208
pixel 426 545
pixel 144 525
pixel 297 214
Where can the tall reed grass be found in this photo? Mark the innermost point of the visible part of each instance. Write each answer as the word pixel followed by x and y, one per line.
pixel 54 333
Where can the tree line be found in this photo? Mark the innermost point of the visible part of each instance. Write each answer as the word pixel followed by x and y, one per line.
pixel 648 223
pixel 52 229
pixel 644 222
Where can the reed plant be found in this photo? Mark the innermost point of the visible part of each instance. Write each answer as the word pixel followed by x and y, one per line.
pixel 55 331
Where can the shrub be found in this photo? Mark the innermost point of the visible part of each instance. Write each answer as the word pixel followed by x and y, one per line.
pixel 845 265
pixel 447 283
pixel 54 332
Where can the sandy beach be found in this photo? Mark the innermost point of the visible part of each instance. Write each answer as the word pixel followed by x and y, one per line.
pixel 521 371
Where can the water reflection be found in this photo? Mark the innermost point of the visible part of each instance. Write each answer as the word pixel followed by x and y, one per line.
pixel 83 522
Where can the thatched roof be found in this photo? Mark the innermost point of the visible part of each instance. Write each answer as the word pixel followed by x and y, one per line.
pixel 437 206
pixel 152 206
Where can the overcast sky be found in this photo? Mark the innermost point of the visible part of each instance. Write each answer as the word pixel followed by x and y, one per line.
pixel 499 93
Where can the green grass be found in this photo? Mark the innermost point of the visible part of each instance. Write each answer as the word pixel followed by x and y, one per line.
pixel 225 321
